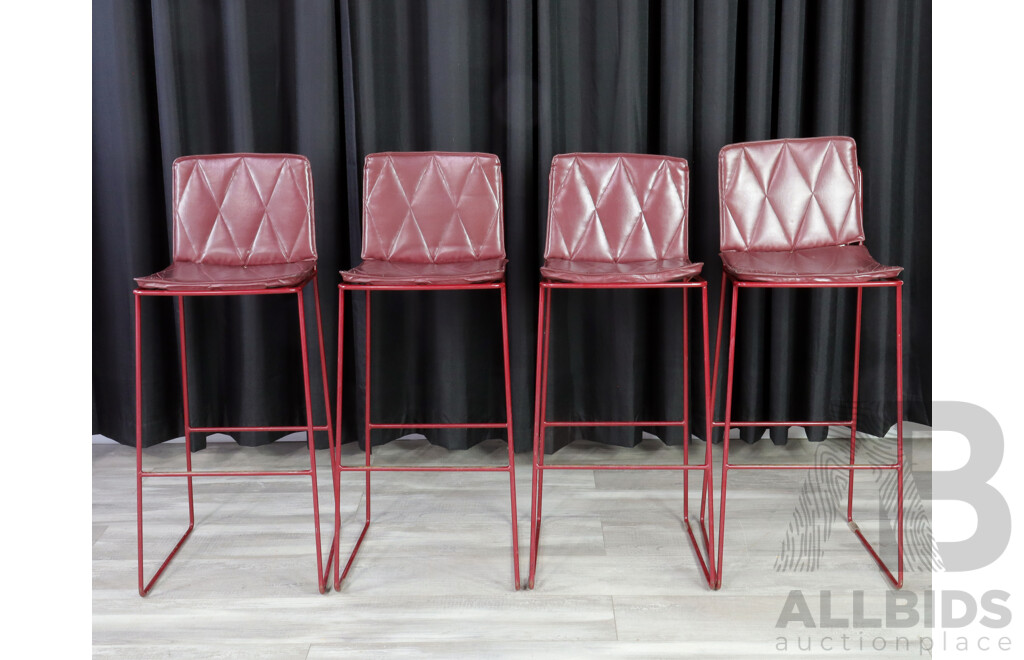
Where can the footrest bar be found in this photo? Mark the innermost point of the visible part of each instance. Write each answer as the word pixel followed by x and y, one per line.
pixel 427 468
pixel 622 467
pixel 243 429
pixel 440 426
pixel 283 473
pixel 719 425
pixel 811 467
pixel 587 424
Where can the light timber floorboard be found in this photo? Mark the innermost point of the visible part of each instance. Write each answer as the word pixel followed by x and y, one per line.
pixel 617 576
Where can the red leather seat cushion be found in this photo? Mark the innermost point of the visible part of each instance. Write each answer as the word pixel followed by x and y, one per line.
pixel 241 221
pixel 845 263
pixel 189 276
pixel 378 271
pixel 607 272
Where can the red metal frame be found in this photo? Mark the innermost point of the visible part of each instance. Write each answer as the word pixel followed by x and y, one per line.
pixel 728 423
pixel 541 423
pixel 188 473
pixel 367 469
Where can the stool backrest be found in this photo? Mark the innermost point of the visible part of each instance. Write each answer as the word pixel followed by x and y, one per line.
pixel 243 209
pixel 617 207
pixel 792 194
pixel 432 207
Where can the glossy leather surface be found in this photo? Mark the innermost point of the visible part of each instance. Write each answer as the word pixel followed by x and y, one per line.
pixel 791 211
pixel 188 276
pixel 240 221
pixel 431 218
pixel 662 270
pixel 617 218
pixel 375 271
pixel 789 194
pixel 849 263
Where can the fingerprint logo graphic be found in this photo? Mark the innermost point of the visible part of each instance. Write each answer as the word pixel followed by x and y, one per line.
pixel 823 500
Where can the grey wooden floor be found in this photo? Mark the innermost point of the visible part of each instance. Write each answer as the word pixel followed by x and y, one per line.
pixel 617 576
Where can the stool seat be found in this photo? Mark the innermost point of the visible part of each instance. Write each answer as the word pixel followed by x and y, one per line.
pixel 379 271
pixel 625 272
pixel 189 276
pixel 832 264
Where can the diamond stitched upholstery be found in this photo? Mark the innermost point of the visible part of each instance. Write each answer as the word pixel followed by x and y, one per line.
pixel 790 211
pixel 432 207
pixel 617 207
pixel 241 221
pixel 789 194
pixel 617 218
pixel 243 209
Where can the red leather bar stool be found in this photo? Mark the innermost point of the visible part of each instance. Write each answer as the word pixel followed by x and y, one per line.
pixel 618 221
pixel 791 218
pixel 243 226
pixel 432 221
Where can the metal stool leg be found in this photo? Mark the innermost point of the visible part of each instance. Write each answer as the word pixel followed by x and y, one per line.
pixel 730 363
pixel 310 441
pixel 336 457
pixel 184 403
pixel 895 580
pixel 853 416
pixel 707 533
pixel 144 587
pixel 327 410
pixel 686 410
pixel 366 430
pixel 511 443
pixel 708 490
pixel 540 415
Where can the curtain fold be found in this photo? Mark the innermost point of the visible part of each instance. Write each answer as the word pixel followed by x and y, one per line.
pixel 336 80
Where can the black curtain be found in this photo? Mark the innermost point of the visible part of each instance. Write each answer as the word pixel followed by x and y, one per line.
pixel 335 80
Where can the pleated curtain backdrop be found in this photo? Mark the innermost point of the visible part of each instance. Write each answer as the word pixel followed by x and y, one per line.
pixel 337 80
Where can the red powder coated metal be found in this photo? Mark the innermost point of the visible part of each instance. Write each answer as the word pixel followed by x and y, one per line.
pixel 619 221
pixel 791 217
pixel 896 579
pixel 541 424
pixel 341 573
pixel 432 221
pixel 243 225
pixel 189 474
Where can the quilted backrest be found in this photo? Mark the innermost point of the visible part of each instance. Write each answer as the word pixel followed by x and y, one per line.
pixel 791 194
pixel 432 207
pixel 617 207
pixel 243 209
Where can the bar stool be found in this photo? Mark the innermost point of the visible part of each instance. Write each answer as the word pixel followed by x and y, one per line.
pixel 243 226
pixel 618 221
pixel 432 221
pixel 791 218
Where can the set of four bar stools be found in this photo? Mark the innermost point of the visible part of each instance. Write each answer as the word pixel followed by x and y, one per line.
pixel 790 217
